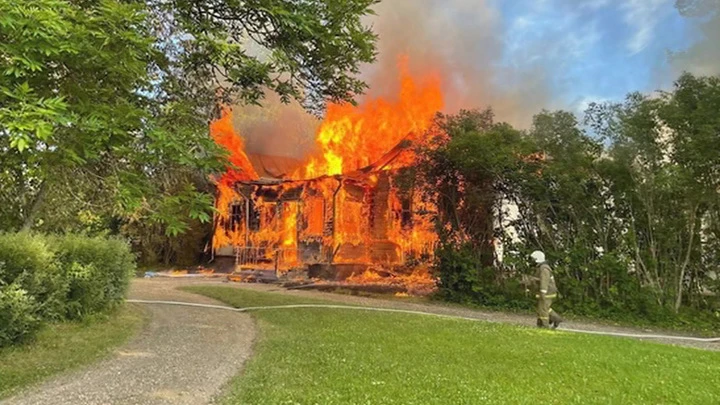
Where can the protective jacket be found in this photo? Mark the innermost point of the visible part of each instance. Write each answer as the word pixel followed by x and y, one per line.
pixel 546 281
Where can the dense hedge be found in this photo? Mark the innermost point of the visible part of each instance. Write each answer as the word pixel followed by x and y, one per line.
pixel 50 278
pixel 462 279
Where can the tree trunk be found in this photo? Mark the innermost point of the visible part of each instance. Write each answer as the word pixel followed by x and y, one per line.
pixel 35 207
pixel 683 268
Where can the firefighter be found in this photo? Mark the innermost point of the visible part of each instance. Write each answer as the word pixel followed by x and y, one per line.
pixel 546 292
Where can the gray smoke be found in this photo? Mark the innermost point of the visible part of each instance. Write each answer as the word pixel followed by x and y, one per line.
pixel 276 128
pixel 464 41
pixel 516 66
pixel 483 62
pixel 702 57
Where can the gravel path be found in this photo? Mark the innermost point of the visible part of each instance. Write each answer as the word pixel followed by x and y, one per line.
pixel 439 308
pixel 184 356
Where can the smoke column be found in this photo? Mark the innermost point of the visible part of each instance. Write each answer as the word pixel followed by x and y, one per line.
pixel 463 40
pixel 702 57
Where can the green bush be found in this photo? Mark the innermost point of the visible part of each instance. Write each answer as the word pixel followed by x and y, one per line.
pixel 599 288
pixel 463 279
pixel 98 272
pixel 49 278
pixel 18 319
pixel 457 271
pixel 28 261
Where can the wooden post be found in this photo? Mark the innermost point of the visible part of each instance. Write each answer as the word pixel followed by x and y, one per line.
pixel 277 255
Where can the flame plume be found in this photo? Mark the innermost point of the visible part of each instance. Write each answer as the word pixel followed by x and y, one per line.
pixel 351 137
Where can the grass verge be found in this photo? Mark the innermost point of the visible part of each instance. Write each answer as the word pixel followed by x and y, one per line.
pixel 697 323
pixel 63 346
pixel 704 325
pixel 330 356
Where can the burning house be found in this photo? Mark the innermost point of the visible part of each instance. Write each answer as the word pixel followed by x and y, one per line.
pixel 362 217
pixel 348 206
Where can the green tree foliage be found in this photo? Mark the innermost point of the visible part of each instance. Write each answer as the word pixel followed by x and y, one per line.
pixel 564 210
pixel 79 122
pixel 104 104
pixel 309 50
pixel 468 171
pixel 664 153
pixel 628 216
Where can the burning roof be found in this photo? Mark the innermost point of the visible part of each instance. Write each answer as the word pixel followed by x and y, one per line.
pixel 273 167
pixel 277 169
pixel 350 137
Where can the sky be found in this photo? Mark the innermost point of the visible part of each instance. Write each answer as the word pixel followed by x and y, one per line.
pixel 521 56
pixel 596 49
pixel 518 57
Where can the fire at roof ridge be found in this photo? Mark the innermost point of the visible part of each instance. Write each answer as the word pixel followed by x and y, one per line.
pixel 378 165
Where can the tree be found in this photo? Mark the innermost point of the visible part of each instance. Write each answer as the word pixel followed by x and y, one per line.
pixel 690 114
pixel 666 185
pixel 468 172
pixel 309 50
pixel 104 104
pixel 71 92
pixel 628 215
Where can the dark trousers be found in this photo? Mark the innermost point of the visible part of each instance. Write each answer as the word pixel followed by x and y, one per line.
pixel 545 313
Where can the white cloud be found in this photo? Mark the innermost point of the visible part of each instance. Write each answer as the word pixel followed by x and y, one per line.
pixel 594 4
pixel 643 17
pixel 559 36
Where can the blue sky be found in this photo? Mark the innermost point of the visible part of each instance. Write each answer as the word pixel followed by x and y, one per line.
pixel 521 56
pixel 594 50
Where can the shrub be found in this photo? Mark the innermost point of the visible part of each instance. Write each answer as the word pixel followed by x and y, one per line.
pixel 28 261
pixel 60 277
pixel 457 271
pixel 18 319
pixel 462 278
pixel 98 271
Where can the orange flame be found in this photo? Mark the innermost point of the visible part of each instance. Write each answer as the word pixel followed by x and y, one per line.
pixel 223 133
pixel 419 282
pixel 289 243
pixel 351 137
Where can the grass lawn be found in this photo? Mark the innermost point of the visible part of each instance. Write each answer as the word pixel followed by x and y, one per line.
pixel 331 356
pixel 64 346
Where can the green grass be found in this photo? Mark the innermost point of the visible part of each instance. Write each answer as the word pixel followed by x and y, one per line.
pixel 63 346
pixel 700 323
pixel 330 356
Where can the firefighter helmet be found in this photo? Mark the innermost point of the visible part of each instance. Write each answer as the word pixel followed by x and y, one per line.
pixel 538 256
